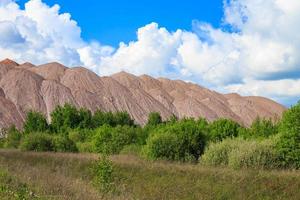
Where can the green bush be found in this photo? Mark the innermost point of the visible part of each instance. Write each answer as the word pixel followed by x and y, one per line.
pixel 239 153
pixel 288 144
pixel 154 119
pixel 35 122
pixel 254 154
pixel 63 144
pixel 37 142
pixel 13 138
pixel 86 147
pixel 111 140
pixel 104 175
pixel 223 128
pixel 182 141
pixel 217 154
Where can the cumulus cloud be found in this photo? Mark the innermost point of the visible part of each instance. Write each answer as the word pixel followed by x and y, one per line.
pixel 254 52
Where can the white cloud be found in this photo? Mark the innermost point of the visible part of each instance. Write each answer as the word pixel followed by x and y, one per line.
pixel 256 52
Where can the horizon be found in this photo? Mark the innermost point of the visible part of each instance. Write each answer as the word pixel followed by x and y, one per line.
pixel 245 47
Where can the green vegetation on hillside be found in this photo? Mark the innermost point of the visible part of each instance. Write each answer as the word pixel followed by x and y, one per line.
pixel 265 144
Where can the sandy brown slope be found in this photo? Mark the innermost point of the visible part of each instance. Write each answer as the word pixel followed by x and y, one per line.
pixel 28 87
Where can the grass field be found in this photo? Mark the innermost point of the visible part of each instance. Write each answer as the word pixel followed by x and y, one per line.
pixel 29 175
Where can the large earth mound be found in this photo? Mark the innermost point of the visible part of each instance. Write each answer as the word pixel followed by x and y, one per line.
pixel 28 87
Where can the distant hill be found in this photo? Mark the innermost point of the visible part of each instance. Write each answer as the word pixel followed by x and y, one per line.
pixel 25 87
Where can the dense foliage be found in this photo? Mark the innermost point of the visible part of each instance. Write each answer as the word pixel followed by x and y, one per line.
pixel 265 144
pixel 288 144
pixel 182 141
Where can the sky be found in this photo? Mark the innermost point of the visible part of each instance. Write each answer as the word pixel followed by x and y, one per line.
pixel 246 46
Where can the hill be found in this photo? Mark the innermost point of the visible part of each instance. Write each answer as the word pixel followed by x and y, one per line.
pixel 25 87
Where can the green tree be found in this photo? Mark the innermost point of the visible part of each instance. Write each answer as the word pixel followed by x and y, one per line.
pixel 288 145
pixel 123 118
pixel 223 128
pixel 85 119
pixel 64 117
pixel 154 119
pixel 101 118
pixel 13 137
pixel 263 128
pixel 35 122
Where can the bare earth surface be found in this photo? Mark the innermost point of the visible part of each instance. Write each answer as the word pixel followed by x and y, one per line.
pixel 27 87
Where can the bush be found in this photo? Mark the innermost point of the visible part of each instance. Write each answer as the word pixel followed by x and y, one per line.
pixel 154 119
pixel 13 138
pixel 37 142
pixel 238 153
pixel 223 128
pixel 217 154
pixel 182 141
pixel 254 154
pixel 111 140
pixel 86 147
pixel 104 178
pixel 63 144
pixel 288 144
pixel 35 122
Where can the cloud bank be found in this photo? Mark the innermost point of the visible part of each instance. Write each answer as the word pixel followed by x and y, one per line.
pixel 254 52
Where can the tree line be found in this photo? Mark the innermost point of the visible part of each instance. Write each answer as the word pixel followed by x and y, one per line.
pixel 223 142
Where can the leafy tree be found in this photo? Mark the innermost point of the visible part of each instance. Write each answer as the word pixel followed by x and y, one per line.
pixel 223 128
pixel 154 119
pixel 101 118
pixel 263 128
pixel 123 118
pixel 35 122
pixel 288 145
pixel 37 142
pixel 13 137
pixel 85 119
pixel 65 117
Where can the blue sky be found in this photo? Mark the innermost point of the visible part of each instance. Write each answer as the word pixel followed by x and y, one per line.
pixel 112 21
pixel 250 47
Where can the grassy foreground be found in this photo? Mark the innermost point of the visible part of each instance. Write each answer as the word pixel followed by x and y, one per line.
pixel 29 175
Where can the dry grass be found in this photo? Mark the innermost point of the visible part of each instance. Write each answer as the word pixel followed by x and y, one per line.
pixel 68 176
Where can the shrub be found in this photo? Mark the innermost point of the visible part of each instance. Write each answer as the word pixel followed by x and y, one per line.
pixel 13 138
pixel 254 154
pixel 37 142
pixel 104 178
pixel 217 154
pixel 35 122
pixel 86 147
pixel 63 144
pixel 223 128
pixel 238 153
pixel 182 141
pixel 111 140
pixel 288 144
pixel 154 119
